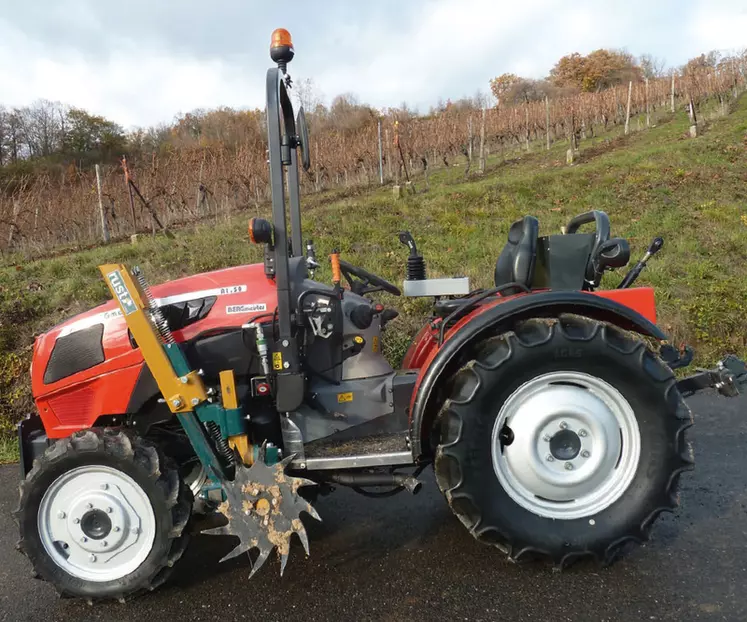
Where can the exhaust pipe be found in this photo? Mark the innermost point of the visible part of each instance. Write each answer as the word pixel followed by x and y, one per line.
pixel 363 480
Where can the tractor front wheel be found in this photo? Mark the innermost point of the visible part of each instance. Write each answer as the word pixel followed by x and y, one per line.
pixel 562 439
pixel 102 515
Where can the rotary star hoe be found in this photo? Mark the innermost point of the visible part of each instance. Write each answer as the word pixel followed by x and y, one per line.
pixel 547 407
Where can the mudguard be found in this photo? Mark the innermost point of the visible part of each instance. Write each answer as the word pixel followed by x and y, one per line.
pixel 607 306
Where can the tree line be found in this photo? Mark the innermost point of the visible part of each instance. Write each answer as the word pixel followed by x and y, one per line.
pixel 209 162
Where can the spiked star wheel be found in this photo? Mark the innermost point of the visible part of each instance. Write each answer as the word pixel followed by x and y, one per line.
pixel 263 509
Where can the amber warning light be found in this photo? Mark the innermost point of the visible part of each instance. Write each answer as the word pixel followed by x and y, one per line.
pixel 281 37
pixel 281 48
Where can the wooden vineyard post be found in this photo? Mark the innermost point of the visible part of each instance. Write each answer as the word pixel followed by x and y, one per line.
pixel 693 117
pixel 129 190
pixel 381 163
pixel 526 123
pixel 627 110
pixel 469 135
pixel 200 190
pixel 547 122
pixel 482 141
pixel 671 97
pixel 14 222
pixel 648 107
pixel 388 154
pixel 102 211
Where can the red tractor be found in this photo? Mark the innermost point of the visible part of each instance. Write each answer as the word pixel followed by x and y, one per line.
pixel 548 408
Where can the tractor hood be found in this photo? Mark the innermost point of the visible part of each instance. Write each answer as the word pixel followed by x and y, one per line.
pixel 97 342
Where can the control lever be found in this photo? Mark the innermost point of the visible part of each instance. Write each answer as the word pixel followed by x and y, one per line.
pixel 635 271
pixel 415 262
pixel 311 263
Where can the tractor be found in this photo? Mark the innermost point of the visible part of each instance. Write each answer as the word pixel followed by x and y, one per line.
pixel 547 406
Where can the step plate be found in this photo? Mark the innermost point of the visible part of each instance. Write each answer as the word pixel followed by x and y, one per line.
pixel 368 451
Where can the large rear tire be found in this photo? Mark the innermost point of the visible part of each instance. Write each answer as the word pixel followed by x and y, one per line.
pixel 562 439
pixel 102 515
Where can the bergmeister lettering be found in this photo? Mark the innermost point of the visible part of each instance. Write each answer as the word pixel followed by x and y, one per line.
pixel 250 308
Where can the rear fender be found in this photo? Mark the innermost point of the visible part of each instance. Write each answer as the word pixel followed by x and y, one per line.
pixel 632 310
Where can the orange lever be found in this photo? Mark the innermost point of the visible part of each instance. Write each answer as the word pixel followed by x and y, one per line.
pixel 336 273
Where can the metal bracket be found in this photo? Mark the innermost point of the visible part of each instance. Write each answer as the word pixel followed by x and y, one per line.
pixel 730 374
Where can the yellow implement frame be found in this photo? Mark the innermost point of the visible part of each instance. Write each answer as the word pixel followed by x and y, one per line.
pixel 182 392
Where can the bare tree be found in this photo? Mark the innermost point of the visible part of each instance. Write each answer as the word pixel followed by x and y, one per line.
pixel 651 66
pixel 307 94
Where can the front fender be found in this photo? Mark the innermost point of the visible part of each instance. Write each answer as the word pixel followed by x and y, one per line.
pixel 631 309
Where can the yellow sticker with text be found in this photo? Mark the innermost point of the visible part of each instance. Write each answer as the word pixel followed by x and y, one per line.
pixel 375 344
pixel 277 360
pixel 344 397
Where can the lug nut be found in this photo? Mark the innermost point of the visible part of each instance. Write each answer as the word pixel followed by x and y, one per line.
pixel 585 454
pixel 109 510
pixel 568 466
pixel 92 557
pixel 61 514
pixel 582 432
pixel 84 539
pixel 136 530
pixel 104 486
pixel 104 543
pixel 549 458
pixel 76 520
pixel 115 529
pixel 563 425
pixel 547 438
pixel 89 506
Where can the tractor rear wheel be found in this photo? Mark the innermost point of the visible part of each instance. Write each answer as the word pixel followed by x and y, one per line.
pixel 562 439
pixel 102 515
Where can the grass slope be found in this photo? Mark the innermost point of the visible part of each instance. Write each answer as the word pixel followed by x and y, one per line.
pixel 654 182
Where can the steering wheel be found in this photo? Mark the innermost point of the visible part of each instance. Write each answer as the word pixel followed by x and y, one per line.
pixel 366 282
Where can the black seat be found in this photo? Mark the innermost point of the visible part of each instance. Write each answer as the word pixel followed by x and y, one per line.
pixel 516 262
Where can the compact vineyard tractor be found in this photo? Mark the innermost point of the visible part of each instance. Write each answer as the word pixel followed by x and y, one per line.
pixel 547 407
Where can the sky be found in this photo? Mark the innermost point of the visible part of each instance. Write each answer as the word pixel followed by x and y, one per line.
pixel 142 62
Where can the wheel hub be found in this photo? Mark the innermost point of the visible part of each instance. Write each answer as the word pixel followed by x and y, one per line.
pixel 565 445
pixel 96 523
pixel 575 448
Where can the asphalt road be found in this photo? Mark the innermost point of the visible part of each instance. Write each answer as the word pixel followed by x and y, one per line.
pixel 408 558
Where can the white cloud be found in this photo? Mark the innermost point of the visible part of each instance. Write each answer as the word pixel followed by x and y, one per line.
pixel 719 25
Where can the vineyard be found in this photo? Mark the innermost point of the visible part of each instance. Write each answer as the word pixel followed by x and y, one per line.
pixel 209 178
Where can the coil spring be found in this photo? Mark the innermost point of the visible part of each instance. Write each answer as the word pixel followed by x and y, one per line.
pixel 221 444
pixel 415 268
pixel 156 315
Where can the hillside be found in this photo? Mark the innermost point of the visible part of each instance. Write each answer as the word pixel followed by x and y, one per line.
pixel 693 192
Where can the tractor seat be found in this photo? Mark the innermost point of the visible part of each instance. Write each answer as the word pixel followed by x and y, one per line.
pixel 516 262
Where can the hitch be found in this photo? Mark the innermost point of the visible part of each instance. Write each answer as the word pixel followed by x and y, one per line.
pixel 727 378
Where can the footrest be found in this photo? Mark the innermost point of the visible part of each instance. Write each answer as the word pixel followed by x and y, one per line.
pixel 366 451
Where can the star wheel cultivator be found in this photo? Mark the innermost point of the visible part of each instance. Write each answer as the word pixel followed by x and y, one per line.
pixel 547 406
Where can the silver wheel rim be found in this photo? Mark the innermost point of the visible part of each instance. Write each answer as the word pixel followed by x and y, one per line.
pixel 573 446
pixel 96 523
pixel 196 478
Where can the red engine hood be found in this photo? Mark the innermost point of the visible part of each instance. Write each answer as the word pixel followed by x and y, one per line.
pixel 241 292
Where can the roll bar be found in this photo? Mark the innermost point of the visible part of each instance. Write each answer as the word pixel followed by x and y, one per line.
pixel 282 145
